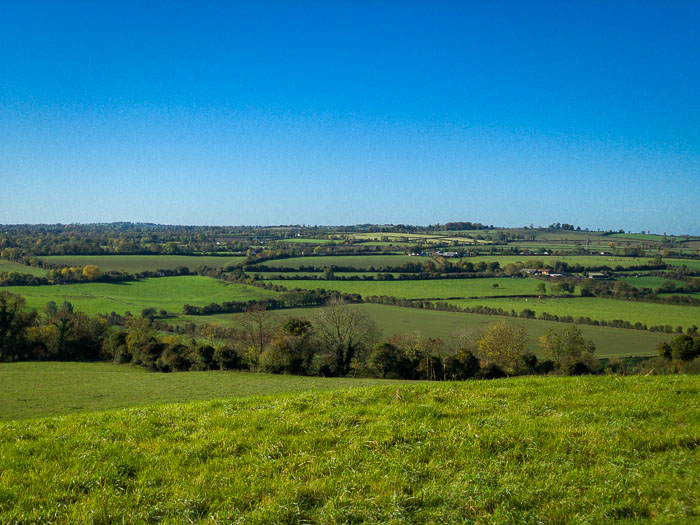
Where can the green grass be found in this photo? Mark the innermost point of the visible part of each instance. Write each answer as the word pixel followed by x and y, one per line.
pixel 356 261
pixel 167 293
pixel 528 450
pixel 310 240
pixel 430 288
pixel 7 266
pixel 610 342
pixel 690 263
pixel 648 281
pixel 549 260
pixel 641 236
pixel 651 314
pixel 46 389
pixel 140 263
pixel 273 274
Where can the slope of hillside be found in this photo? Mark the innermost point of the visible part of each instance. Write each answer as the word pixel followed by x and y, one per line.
pixel 528 450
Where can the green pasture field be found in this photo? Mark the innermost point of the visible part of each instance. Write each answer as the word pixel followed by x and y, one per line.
pixel 398 244
pixel 8 266
pixel 41 389
pixel 310 240
pixel 648 281
pixel 355 261
pixel 410 236
pixel 527 450
pixel 272 275
pixel 610 342
pixel 167 293
pixel 596 308
pixel 690 263
pixel 140 263
pixel 543 245
pixel 413 238
pixel 641 236
pixel 584 260
pixel 424 289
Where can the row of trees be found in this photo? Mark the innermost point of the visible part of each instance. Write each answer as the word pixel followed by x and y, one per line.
pixel 340 339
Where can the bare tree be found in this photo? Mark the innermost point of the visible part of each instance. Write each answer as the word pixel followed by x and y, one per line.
pixel 257 328
pixel 344 331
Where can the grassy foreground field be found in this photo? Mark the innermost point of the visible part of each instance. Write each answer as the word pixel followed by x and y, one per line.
pixel 529 450
pixel 41 389
pixel 168 293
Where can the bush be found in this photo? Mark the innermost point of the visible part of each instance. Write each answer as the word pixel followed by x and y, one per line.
pixel 205 356
pixel 577 368
pixel 463 365
pixel 529 363
pixel 493 371
pixel 683 347
pixel 175 358
pixel 545 366
pixel 227 358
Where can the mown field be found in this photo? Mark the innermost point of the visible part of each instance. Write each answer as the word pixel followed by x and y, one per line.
pixel 651 314
pixel 7 266
pixel 641 236
pixel 319 275
pixel 610 342
pixel 430 288
pixel 167 293
pixel 550 260
pixel 528 450
pixel 42 389
pixel 648 281
pixel 301 240
pixel 690 263
pixel 141 263
pixel 355 261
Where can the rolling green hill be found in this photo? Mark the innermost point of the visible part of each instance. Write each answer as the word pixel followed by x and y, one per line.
pixel 530 450
pixel 596 308
pixel 140 263
pixel 424 289
pixel 168 293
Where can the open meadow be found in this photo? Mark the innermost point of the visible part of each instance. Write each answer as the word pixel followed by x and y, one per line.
pixel 8 266
pixel 550 260
pixel 531 450
pixel 648 281
pixel 651 314
pixel 694 264
pixel 610 342
pixel 355 261
pixel 142 263
pixel 423 289
pixel 167 293
pixel 42 389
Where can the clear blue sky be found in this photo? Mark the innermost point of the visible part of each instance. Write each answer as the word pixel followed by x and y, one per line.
pixel 507 113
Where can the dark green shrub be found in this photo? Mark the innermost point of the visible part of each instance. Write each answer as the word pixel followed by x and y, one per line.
pixel 493 371
pixel 227 358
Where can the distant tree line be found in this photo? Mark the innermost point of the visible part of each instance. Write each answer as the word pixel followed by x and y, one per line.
pixel 339 339
pixel 63 274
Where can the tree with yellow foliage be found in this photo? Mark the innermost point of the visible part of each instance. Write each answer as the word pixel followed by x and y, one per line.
pixel 91 272
pixel 504 344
